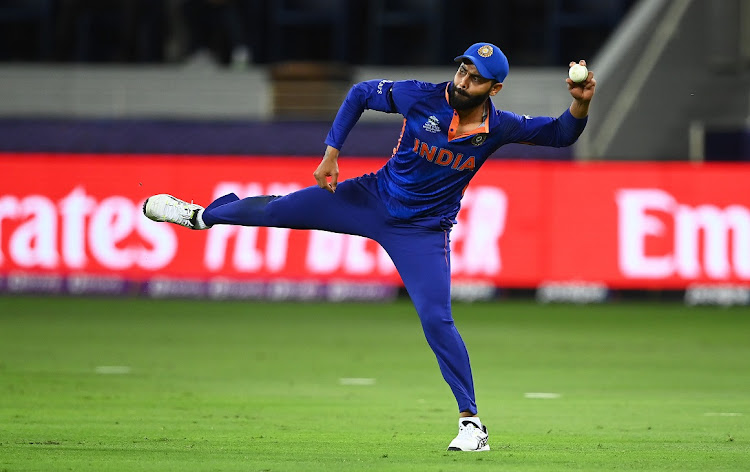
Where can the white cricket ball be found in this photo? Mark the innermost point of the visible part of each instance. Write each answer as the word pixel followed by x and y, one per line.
pixel 578 73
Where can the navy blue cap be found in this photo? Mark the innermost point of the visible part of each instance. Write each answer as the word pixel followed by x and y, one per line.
pixel 489 60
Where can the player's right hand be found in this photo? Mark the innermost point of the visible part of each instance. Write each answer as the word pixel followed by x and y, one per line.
pixel 328 167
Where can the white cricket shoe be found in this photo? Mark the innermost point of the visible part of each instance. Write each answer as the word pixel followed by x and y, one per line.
pixel 472 436
pixel 167 208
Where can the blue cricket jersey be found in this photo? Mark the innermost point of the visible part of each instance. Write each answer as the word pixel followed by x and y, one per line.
pixel 431 166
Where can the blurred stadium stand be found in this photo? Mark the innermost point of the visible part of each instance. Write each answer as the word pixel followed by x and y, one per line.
pixel 423 22
pixel 388 32
pixel 673 71
pixel 108 30
pixel 310 30
pixel 26 29
pixel 673 74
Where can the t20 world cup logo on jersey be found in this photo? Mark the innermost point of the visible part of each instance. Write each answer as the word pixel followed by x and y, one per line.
pixel 432 125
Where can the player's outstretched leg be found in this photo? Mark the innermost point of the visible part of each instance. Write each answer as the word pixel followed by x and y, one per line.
pixel 167 208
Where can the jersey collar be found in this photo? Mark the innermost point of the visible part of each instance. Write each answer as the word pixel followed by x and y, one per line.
pixel 483 128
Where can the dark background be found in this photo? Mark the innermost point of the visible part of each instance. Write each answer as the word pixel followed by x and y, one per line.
pixel 387 32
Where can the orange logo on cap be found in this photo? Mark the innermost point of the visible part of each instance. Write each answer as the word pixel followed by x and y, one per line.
pixel 485 51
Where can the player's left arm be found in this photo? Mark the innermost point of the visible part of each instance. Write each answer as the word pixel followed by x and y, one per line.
pixel 556 132
pixel 582 93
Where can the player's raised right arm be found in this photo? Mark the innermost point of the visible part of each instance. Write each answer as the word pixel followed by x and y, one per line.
pixel 368 95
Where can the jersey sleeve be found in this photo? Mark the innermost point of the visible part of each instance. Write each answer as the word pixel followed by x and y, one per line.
pixel 380 95
pixel 543 130
pixel 368 95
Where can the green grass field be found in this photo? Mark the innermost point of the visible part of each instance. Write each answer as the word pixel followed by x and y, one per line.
pixel 167 385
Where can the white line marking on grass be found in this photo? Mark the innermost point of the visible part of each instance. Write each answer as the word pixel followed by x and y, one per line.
pixel 356 381
pixel 112 369
pixel 542 395
pixel 722 414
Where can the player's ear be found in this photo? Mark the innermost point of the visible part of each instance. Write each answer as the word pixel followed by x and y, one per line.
pixel 496 88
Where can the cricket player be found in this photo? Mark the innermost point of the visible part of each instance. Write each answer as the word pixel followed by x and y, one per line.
pixel 411 203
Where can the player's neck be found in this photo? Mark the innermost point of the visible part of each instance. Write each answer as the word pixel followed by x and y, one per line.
pixel 474 115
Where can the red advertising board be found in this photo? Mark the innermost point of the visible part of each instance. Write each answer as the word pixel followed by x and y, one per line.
pixel 522 223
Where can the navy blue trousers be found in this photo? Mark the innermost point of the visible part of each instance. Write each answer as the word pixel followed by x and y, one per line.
pixel 419 248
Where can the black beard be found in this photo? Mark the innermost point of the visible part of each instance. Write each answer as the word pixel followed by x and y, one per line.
pixel 465 102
